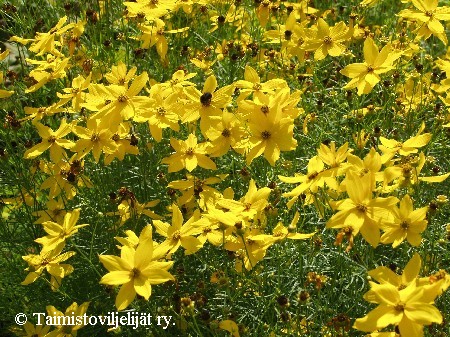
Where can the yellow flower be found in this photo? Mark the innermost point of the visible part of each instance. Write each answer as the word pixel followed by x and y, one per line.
pixel 154 36
pixel 408 224
pixel 43 77
pixel 63 177
pixel 51 262
pixel 252 84
pixel 178 234
pixel 150 9
pixel 188 155
pixel 270 134
pixel 280 232
pixel 54 211
pixel 52 140
pixel 75 93
pixel 58 233
pixel 224 134
pixel 251 205
pixel 410 308
pixel 116 103
pixel 131 207
pixel 119 74
pixel 136 271
pixel 36 331
pixel 315 178
pixel 390 147
pixel 126 143
pixel 206 104
pixel 67 330
pixel 196 188
pixel 45 42
pixel 408 172
pixel 366 75
pixel 410 274
pixel 360 211
pixel 250 247
pixel 161 114
pixel 36 114
pixel 96 137
pixel 428 13
pixel 132 240
pixel 329 40
pixel 332 157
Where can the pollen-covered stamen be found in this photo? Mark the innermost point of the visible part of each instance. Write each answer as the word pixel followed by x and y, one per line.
pixel 265 109
pixel 429 14
pixel 176 236
pixel 190 151
pixel 404 224
pixel 362 208
pixel 400 307
pixel 257 86
pixel 327 40
pixel 122 98
pixel 135 273
pixel 363 172
pixel 161 111
pixel 205 99
pixel 226 133
pixel 265 135
pixel 115 137
pixel 51 139
pixel 95 137
pixel 370 69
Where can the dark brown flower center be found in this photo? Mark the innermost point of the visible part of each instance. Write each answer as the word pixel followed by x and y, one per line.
pixel 265 135
pixel 205 99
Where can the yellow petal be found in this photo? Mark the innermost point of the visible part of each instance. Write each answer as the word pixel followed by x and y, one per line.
pixel 116 278
pixel 125 296
pixel 230 326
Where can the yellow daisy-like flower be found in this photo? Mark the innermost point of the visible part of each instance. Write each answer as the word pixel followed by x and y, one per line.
pixel 188 155
pixel 136 271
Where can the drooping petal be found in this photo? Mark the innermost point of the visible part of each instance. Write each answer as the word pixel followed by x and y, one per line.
pixel 125 296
